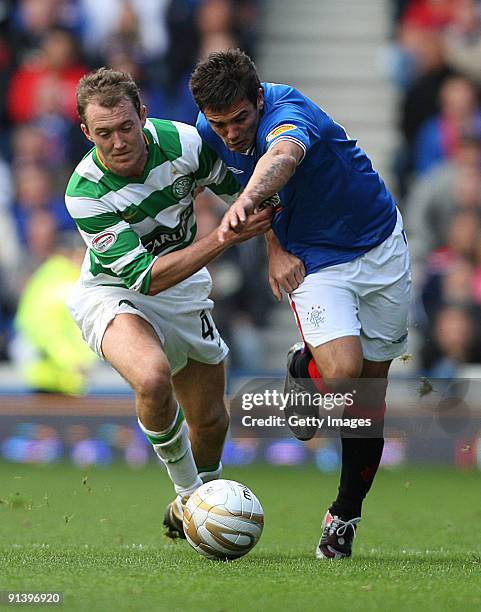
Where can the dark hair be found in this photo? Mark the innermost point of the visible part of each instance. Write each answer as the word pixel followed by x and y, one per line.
pixel 108 88
pixel 224 78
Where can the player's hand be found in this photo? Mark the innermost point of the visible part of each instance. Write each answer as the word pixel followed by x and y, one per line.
pixel 236 217
pixel 286 271
pixel 256 224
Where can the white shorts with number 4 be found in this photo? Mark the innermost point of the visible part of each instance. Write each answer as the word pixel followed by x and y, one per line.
pixel 367 297
pixel 181 317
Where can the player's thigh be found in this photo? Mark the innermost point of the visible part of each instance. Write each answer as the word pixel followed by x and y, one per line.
pixel 117 325
pixel 375 369
pixel 339 359
pixel 200 389
pixel 131 345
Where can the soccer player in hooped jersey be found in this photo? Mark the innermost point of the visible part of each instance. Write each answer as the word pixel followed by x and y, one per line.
pixel 337 247
pixel 142 299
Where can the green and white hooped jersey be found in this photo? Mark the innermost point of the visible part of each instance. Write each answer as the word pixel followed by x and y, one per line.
pixel 127 223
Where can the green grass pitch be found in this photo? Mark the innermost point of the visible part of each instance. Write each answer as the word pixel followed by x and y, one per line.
pixel 95 534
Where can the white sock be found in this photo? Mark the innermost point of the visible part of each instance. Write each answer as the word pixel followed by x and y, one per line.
pixel 208 475
pixel 172 446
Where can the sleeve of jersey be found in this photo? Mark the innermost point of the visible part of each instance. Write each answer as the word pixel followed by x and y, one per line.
pixel 213 173
pixel 113 243
pixel 291 124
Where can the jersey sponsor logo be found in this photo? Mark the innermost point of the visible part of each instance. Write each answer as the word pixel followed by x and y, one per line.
pixel 166 237
pixel 235 170
pixel 182 186
pixel 104 241
pixel 287 127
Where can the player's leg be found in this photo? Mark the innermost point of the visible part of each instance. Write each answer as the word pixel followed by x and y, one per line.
pixel 339 366
pixel 200 388
pixel 197 353
pixel 134 349
pixel 362 448
pixel 335 367
pixel 361 457
pixel 326 312
pixel 383 286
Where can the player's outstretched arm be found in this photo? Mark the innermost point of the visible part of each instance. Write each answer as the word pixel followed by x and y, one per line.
pixel 286 271
pixel 170 269
pixel 271 173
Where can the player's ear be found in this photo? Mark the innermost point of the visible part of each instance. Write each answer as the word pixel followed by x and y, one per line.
pixel 260 98
pixel 143 114
pixel 85 131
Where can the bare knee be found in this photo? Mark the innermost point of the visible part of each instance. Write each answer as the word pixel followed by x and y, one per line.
pixel 154 385
pixel 339 359
pixel 337 370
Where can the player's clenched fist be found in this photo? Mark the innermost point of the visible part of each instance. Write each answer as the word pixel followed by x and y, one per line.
pixel 235 218
pixel 286 271
pixel 254 224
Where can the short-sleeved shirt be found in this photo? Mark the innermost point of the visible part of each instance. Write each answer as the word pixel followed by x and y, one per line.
pixel 127 223
pixel 335 207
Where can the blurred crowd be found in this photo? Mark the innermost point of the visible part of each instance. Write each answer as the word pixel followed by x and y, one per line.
pixel 45 47
pixel 435 61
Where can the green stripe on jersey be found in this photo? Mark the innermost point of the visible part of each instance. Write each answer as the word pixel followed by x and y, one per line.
pixel 169 139
pixel 156 202
pixel 135 269
pixel 81 186
pixel 229 186
pixel 98 223
pixel 96 268
pixel 207 159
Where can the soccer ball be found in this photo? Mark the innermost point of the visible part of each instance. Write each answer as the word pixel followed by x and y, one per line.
pixel 223 519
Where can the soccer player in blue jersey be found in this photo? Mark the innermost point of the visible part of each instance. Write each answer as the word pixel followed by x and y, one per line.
pixel 337 247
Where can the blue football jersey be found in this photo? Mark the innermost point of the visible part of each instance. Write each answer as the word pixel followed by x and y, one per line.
pixel 335 207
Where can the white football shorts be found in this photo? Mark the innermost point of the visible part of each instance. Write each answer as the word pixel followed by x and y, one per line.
pixel 367 297
pixel 181 317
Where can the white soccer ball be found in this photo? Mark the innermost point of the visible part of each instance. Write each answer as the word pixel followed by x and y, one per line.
pixel 223 519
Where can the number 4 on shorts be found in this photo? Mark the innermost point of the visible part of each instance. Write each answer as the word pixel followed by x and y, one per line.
pixel 207 327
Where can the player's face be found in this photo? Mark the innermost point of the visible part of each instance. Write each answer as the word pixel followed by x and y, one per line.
pixel 237 125
pixel 117 134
